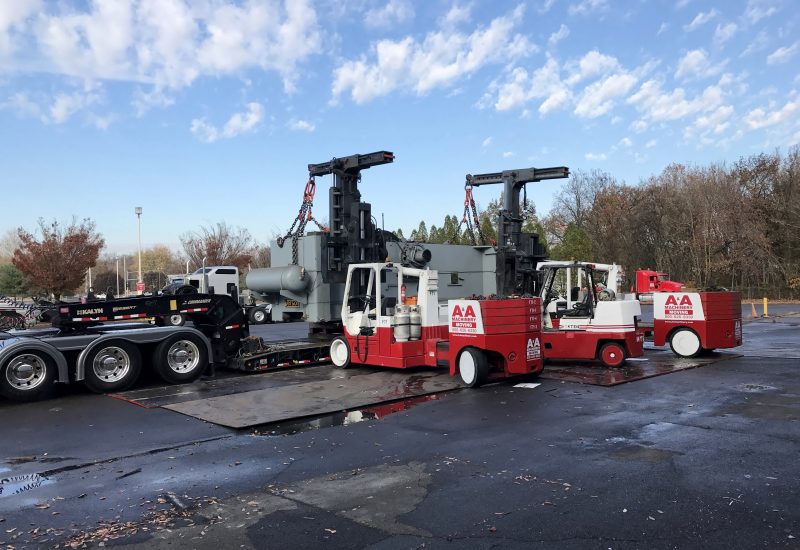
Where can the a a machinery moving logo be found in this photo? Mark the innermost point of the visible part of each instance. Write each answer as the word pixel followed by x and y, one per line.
pixel 464 319
pixel 534 349
pixel 678 309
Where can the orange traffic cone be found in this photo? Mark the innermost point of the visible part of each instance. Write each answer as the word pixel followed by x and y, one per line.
pixel 753 314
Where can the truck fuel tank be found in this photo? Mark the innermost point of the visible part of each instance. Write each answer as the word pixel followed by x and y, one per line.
pixel 274 279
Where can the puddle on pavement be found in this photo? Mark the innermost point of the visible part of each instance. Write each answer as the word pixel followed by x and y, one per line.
pixel 15 485
pixel 344 418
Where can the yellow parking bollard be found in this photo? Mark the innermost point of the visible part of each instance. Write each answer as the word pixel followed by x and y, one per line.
pixel 766 307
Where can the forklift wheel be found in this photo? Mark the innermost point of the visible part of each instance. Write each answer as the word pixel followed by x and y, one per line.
pixel 473 368
pixel 685 343
pixel 612 355
pixel 340 352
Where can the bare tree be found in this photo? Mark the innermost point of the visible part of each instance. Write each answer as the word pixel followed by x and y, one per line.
pixel 219 244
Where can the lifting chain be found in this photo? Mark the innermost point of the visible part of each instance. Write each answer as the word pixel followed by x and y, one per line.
pixel 303 217
pixel 470 218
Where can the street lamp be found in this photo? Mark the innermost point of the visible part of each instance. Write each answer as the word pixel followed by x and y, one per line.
pixel 139 283
pixel 117 258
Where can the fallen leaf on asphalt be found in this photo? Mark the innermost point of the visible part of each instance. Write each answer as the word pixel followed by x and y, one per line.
pixel 651 518
pixel 492 529
pixel 42 506
pixel 81 495
pixel 331 531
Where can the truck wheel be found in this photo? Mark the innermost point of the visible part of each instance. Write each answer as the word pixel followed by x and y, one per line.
pixel 685 343
pixel 27 376
pixel 112 366
pixel 340 352
pixel 473 368
pixel 612 355
pixel 180 358
pixel 175 320
pixel 258 315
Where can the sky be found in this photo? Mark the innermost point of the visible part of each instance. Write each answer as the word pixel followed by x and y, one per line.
pixel 202 111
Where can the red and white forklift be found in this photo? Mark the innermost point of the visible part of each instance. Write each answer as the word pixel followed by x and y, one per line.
pixel 582 319
pixel 691 322
pixel 392 318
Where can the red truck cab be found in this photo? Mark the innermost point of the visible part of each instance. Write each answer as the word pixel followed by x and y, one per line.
pixel 655 281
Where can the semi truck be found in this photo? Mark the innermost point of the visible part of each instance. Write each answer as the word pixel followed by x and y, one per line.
pixel 105 346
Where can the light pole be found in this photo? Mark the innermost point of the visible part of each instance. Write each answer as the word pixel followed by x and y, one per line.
pixel 138 211
pixel 117 294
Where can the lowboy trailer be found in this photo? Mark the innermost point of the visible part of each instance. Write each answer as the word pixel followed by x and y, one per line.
pixel 84 344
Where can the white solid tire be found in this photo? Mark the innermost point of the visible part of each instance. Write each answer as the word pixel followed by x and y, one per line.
pixel 340 352
pixel 685 343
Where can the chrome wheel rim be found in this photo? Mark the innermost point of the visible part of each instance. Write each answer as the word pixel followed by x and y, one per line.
pixel 175 320
pixel 111 364
pixel 183 356
pixel 259 316
pixel 26 371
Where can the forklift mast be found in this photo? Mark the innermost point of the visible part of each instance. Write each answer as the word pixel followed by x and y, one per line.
pixel 353 236
pixel 517 252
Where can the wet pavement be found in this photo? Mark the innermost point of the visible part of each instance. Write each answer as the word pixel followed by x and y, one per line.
pixel 704 457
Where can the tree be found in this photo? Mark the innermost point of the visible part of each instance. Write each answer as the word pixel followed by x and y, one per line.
pixel 9 242
pixel 106 281
pixel 158 258
pixel 262 256
pixel 399 233
pixel 420 234
pixel 576 245
pixel 57 262
pixel 12 281
pixel 219 244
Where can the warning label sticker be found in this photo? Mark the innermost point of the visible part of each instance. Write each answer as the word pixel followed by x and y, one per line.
pixel 533 350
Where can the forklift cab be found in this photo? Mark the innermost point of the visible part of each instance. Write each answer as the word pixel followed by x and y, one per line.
pixel 568 295
pixel 373 291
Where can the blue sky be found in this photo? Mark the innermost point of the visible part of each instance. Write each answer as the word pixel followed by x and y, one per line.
pixel 206 110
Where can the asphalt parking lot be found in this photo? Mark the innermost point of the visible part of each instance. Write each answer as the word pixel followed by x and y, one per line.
pixel 705 457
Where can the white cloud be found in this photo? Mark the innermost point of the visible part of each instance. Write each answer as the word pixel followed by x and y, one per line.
pixel 662 29
pixel 761 118
pixel 655 105
pixel 595 156
pixel 487 142
pixel 759 9
pixel 598 98
pixel 587 6
pixel 592 64
pixel 13 15
pixel 301 125
pixel 22 105
pixel 237 124
pixel 545 83
pixel 783 54
pixel 701 19
pixel 650 144
pixel 456 15
pixel 759 43
pixel 724 33
pixel 545 6
pixel 625 142
pixel 65 105
pixel 695 64
pixel 393 12
pixel 558 36
pixel 144 101
pixel 508 154
pixel 440 59
pixel 708 128
pixel 167 44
